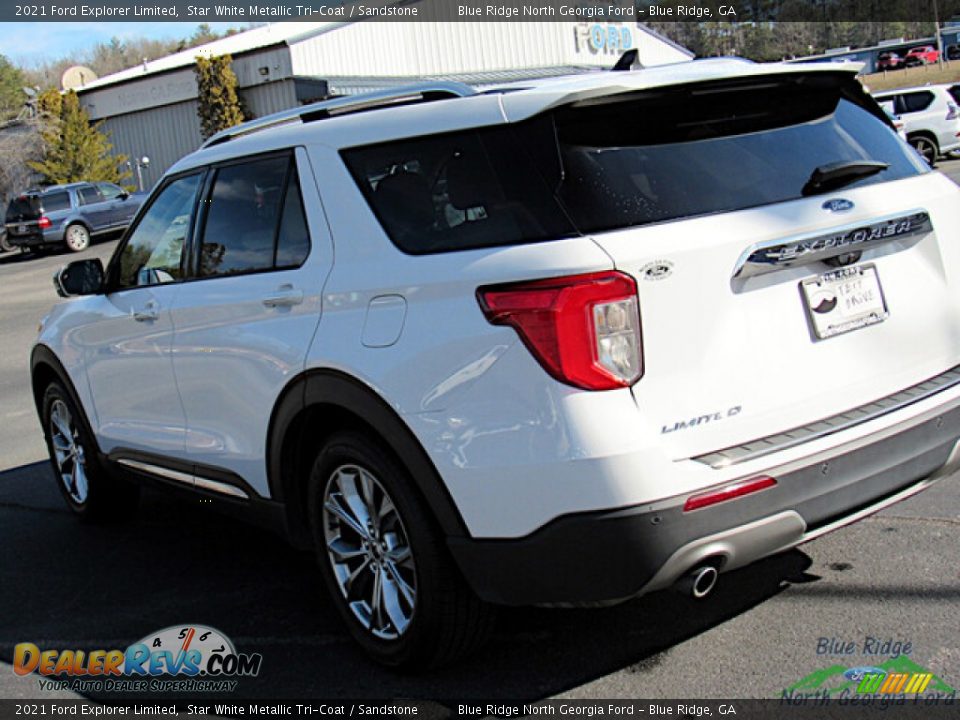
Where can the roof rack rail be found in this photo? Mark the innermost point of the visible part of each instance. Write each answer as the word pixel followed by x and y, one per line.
pixel 392 97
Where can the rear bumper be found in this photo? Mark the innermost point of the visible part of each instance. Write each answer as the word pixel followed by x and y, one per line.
pixel 33 239
pixel 600 557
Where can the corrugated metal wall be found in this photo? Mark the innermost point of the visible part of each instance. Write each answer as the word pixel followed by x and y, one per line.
pixel 164 134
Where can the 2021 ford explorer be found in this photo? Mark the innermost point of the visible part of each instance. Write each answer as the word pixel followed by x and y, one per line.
pixel 562 342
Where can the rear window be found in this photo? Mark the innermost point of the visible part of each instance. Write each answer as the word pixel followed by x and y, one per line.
pixel 623 161
pixel 55 201
pixel 24 207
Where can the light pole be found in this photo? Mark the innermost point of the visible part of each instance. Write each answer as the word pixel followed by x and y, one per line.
pixel 141 163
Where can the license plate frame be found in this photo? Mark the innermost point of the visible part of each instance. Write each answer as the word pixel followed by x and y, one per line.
pixel 844 300
pixel 22 229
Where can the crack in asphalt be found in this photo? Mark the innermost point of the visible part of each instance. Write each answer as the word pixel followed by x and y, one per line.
pixel 909 518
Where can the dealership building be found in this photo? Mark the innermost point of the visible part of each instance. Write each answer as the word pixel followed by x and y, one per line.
pixel 151 110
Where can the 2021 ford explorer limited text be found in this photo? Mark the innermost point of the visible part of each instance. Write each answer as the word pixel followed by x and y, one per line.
pixel 559 343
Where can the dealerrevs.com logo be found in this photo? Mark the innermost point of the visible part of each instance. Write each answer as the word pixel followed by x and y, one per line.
pixel 180 658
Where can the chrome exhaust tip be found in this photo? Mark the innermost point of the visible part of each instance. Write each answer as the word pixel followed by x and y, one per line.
pixel 698 582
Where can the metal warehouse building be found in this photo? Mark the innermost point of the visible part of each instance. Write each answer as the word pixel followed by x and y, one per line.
pixel 151 110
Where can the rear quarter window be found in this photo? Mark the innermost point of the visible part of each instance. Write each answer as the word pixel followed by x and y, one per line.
pixel 53 202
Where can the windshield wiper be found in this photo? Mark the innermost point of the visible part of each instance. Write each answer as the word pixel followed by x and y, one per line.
pixel 837 174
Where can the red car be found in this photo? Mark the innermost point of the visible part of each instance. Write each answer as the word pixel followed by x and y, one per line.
pixel 923 55
pixel 889 61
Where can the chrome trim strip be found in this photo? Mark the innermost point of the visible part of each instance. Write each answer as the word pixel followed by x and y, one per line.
pixel 186 478
pixel 219 487
pixel 833 424
pixel 163 472
pixel 773 255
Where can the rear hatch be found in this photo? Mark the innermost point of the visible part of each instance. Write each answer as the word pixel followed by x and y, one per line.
pixel 23 214
pixel 785 244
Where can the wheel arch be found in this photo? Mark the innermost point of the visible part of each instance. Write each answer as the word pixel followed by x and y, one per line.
pixel 319 403
pixel 45 368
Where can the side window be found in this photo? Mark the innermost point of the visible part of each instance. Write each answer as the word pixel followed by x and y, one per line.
pixel 56 201
pixel 89 195
pixel 293 241
pixel 915 102
pixel 153 251
pixel 240 231
pixel 109 191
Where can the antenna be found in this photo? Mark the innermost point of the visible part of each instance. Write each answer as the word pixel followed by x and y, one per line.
pixel 76 76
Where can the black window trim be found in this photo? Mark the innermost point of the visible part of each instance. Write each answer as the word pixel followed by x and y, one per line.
pixel 110 286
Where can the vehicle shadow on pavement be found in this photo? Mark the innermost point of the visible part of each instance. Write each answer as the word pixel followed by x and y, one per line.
pixel 69 585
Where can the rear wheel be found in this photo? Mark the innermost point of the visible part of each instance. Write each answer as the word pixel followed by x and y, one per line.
pixel 384 561
pixel 927 148
pixel 77 237
pixel 89 491
pixel 5 245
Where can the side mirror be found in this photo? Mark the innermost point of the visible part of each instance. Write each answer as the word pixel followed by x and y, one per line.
pixel 81 277
pixel 123 196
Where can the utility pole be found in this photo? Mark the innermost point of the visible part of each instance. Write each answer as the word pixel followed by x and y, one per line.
pixel 936 25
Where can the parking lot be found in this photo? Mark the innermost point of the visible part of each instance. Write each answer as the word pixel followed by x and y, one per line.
pixel 891 577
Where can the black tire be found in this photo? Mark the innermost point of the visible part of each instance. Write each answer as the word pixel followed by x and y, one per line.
pixel 5 245
pixel 103 498
pixel 446 619
pixel 76 237
pixel 927 147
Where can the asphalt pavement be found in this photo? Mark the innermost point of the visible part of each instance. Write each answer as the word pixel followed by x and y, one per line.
pixel 892 577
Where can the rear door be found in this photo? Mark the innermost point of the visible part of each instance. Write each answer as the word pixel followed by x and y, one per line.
pixel 245 322
pixel 94 207
pixel 767 300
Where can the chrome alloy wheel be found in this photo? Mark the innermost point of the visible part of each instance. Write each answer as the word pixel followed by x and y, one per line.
pixel 68 452
pixel 369 552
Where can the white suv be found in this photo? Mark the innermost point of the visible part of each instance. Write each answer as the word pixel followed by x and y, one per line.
pixel 564 342
pixel 930 115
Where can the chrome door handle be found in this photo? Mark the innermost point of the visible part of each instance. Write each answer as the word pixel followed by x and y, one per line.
pixel 147 312
pixel 285 296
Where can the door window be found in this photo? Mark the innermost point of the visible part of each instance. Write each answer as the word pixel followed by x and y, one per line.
pixel 109 191
pixel 153 252
pixel 89 195
pixel 240 231
pixel 293 240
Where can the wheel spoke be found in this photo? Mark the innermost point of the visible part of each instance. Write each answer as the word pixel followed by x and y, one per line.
pixel 333 505
pixel 350 583
pixel 343 551
pixel 349 490
pixel 401 584
pixel 376 603
pixel 391 604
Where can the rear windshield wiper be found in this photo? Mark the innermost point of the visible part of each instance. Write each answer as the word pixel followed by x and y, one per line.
pixel 837 174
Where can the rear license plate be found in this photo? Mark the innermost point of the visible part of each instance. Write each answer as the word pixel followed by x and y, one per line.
pixel 844 300
pixel 21 229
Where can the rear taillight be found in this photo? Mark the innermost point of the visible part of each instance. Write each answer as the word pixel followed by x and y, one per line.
pixel 728 492
pixel 44 222
pixel 583 329
pixel 953 112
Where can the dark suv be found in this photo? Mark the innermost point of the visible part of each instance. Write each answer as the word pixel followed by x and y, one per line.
pixel 69 214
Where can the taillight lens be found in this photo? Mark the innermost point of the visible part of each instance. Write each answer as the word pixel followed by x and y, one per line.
pixel 583 329
pixel 728 492
pixel 44 222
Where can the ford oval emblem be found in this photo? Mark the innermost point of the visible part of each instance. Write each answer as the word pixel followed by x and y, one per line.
pixel 837 205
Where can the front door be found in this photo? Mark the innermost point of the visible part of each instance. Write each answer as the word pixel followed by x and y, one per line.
pixel 127 347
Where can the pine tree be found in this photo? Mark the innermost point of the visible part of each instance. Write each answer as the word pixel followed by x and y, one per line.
pixel 75 150
pixel 218 106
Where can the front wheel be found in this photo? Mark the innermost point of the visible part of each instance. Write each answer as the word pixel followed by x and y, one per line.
pixel 89 491
pixel 384 561
pixel 926 147
pixel 77 238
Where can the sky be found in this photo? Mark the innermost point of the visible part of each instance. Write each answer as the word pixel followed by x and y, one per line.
pixel 28 43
